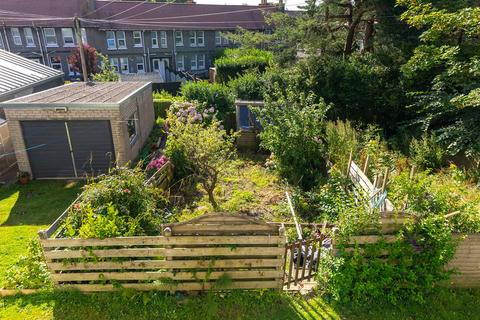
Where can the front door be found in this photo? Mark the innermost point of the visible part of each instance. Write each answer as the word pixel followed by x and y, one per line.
pixel 156 65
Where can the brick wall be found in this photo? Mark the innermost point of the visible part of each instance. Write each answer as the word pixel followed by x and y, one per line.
pixel 7 158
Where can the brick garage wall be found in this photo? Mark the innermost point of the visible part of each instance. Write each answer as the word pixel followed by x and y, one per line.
pixel 7 157
pixel 142 103
pixel 14 117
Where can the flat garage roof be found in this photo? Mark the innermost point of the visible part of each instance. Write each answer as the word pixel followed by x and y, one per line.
pixel 82 93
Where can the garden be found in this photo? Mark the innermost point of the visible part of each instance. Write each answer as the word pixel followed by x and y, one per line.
pixel 405 113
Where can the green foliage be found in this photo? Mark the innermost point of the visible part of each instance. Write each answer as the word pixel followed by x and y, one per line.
pixel 426 153
pixel 201 149
pixel 234 62
pixel 412 269
pixel 294 126
pixel 248 86
pixel 214 95
pixel 161 106
pixel 341 139
pixel 29 271
pixel 162 95
pixel 115 204
pixel 107 71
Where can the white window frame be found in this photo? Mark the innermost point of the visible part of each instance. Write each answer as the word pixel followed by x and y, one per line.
pixel 137 35
pixel 192 38
pixel 225 41
pixel 111 39
pixel 47 36
pixel 29 40
pixel 2 46
pixel 114 62
pixel 178 43
pixel 141 64
pixel 201 58
pixel 163 39
pixel 134 117
pixel 121 37
pixel 218 38
pixel 200 35
pixel 71 71
pixel 66 34
pixel 180 60
pixel 53 64
pixel 193 62
pixel 154 36
pixel 16 36
pixel 122 64
pixel 83 34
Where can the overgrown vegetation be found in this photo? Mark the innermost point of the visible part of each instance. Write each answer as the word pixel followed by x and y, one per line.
pixel 234 62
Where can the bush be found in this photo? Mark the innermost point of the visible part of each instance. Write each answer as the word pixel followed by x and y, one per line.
pixel 248 86
pixel 426 153
pixel 161 106
pixel 341 139
pixel 117 204
pixel 294 128
pixel 201 149
pixel 30 271
pixel 236 61
pixel 210 95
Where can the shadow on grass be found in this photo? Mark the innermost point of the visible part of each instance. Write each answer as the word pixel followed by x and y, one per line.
pixel 37 203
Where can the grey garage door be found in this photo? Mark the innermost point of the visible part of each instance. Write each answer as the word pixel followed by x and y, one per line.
pixel 67 149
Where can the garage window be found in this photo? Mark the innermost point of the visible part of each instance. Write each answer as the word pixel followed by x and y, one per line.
pixel 132 127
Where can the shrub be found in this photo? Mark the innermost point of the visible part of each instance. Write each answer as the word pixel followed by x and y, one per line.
pixel 210 95
pixel 341 139
pixel 201 149
pixel 116 204
pixel 426 153
pixel 294 128
pixel 30 271
pixel 236 61
pixel 248 86
pixel 161 106
pixel 193 112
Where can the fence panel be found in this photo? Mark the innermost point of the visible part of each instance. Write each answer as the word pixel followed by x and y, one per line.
pixel 210 252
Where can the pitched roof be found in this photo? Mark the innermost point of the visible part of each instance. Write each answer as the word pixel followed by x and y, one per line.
pixel 18 73
pixel 81 93
pixel 134 14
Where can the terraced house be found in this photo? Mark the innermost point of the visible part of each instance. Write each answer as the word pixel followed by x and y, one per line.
pixel 137 36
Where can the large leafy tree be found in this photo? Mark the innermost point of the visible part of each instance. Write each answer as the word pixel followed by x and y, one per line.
pixel 90 58
pixel 444 71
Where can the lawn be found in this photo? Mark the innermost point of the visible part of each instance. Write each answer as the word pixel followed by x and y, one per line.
pixel 26 209
pixel 444 304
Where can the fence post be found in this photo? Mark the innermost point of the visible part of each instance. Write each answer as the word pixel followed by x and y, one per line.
pixel 282 244
pixel 167 232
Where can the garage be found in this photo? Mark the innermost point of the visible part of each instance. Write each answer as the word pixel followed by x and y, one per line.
pixel 80 130
pixel 68 148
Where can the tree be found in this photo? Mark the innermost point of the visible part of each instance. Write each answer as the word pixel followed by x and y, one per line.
pixel 91 60
pixel 206 149
pixel 444 71
pixel 107 71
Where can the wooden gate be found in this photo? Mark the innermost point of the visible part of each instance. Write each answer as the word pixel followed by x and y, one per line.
pixel 218 251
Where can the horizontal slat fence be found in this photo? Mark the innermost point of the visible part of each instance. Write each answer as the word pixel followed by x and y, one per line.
pixel 211 252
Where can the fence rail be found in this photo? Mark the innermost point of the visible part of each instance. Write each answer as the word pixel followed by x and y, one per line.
pixel 211 252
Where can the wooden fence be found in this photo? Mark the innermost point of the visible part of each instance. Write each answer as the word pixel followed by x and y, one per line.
pixel 218 251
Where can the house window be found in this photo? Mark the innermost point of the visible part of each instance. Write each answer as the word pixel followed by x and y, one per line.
pixel 154 39
pixel 178 38
pixel 124 65
pixel 180 63
pixel 225 41
pixel 200 38
pixel 193 62
pixel 56 63
pixel 201 62
pixel 163 39
pixel 140 64
pixel 29 37
pixel 83 33
pixel 71 70
pixel 132 127
pixel 111 43
pixel 50 37
pixel 218 38
pixel 17 38
pixel 137 39
pixel 114 63
pixel 121 42
pixel 193 39
pixel 67 34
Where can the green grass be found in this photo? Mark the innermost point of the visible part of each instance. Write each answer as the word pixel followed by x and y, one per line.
pixel 26 209
pixel 445 304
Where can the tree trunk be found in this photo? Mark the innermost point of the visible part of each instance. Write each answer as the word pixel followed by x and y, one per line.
pixel 368 38
pixel 211 198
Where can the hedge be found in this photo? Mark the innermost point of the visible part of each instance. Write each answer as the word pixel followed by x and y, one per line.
pixel 236 61
pixel 161 106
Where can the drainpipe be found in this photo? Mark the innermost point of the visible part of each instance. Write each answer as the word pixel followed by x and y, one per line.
pixel 46 50
pixel 149 67
pixel 175 51
pixel 39 43
pixel 144 51
pixel 6 37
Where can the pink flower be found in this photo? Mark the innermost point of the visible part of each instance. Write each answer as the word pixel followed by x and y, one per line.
pixel 76 206
pixel 126 191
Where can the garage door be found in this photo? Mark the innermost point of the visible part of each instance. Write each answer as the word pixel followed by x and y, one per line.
pixel 68 149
